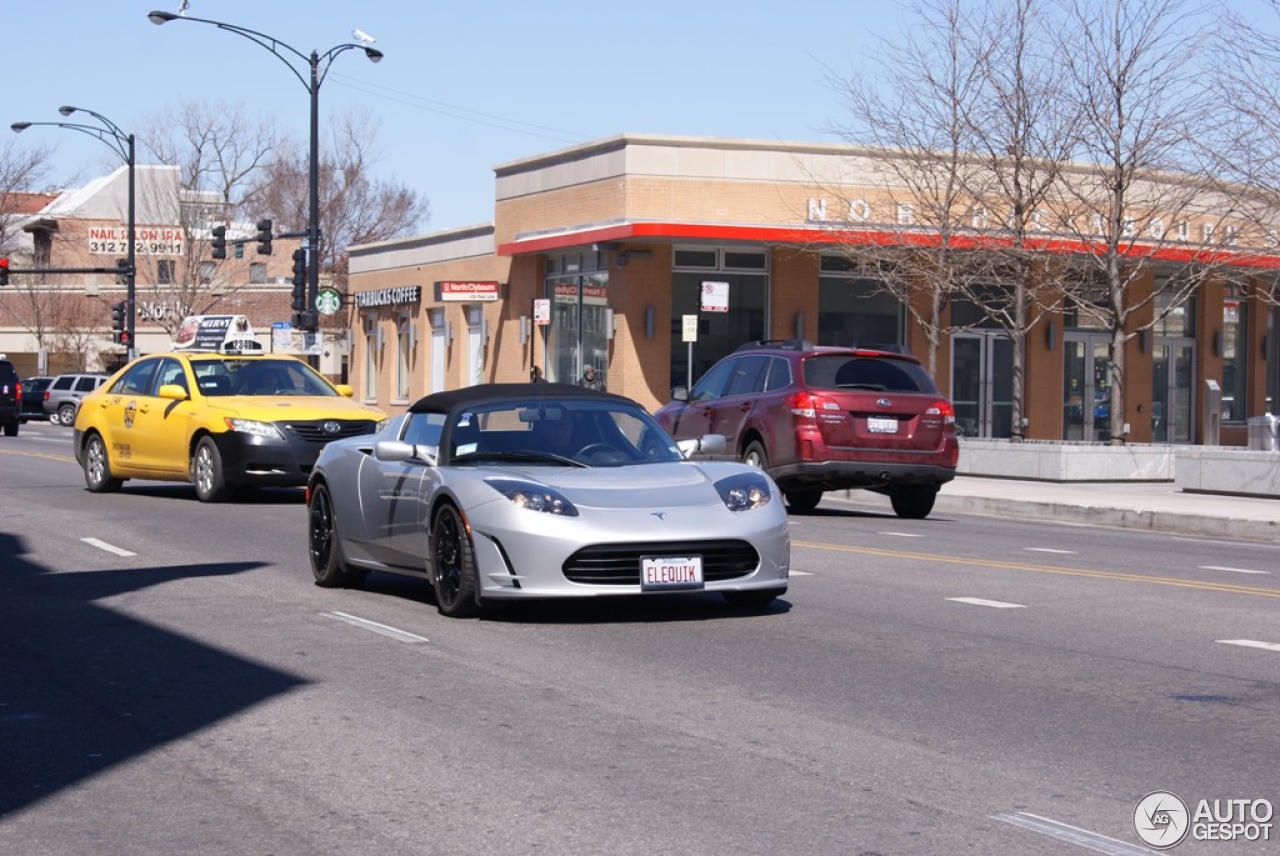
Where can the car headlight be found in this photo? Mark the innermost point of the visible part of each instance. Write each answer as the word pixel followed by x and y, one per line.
pixel 252 426
pixel 744 491
pixel 533 496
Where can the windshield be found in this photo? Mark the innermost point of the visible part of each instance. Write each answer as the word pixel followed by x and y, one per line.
pixel 237 376
pixel 570 433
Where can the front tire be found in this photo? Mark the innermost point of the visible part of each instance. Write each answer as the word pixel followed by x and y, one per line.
pixel 455 565
pixel 206 472
pixel 913 502
pixel 803 500
pixel 754 455
pixel 11 429
pixel 325 548
pixel 97 467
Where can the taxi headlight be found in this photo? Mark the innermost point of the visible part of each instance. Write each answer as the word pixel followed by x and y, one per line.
pixel 533 496
pixel 744 491
pixel 253 426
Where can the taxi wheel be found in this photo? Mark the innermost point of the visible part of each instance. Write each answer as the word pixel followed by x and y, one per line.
pixel 97 469
pixel 455 565
pixel 327 563
pixel 206 472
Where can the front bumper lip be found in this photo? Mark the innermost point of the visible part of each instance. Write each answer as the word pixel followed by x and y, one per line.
pixel 521 553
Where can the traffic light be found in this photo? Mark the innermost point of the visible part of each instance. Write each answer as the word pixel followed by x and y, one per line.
pixel 122 271
pixel 299 280
pixel 219 242
pixel 264 237
pixel 118 334
pixel 4 270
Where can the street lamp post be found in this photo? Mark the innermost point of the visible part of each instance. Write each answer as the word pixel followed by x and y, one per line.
pixel 123 144
pixel 319 64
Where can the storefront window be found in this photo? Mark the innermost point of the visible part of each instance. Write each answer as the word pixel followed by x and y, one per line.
pixel 719 333
pixel 370 357
pixel 1235 360
pixel 404 356
pixel 854 310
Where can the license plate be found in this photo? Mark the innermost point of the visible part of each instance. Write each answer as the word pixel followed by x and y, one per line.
pixel 882 425
pixel 663 573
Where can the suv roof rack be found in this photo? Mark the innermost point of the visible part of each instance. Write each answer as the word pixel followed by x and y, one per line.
pixel 783 344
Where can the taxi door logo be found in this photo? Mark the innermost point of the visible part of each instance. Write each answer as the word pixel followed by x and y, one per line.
pixel 1161 819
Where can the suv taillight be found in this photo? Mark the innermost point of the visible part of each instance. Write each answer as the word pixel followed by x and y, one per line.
pixel 46 395
pixel 802 404
pixel 943 409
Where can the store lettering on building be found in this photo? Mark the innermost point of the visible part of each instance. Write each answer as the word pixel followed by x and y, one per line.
pixel 148 240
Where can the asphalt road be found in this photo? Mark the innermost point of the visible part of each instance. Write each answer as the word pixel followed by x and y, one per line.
pixel 954 685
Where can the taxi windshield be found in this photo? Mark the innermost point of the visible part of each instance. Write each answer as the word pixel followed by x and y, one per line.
pixel 239 376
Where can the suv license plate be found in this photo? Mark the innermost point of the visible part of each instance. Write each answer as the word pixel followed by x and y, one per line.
pixel 882 425
pixel 663 573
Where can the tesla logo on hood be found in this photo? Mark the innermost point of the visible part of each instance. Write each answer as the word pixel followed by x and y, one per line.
pixel 332 427
pixel 661 515
pixel 883 402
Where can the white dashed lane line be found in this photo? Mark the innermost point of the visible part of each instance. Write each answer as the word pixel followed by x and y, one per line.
pixel 110 548
pixel 1251 643
pixel 995 604
pixel 1050 550
pixel 384 629
pixel 1232 570
pixel 902 534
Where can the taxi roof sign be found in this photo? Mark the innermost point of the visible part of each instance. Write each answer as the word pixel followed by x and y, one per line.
pixel 216 333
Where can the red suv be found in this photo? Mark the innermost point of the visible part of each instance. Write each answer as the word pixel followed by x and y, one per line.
pixel 826 418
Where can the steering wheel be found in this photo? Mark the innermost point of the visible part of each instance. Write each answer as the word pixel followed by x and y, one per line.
pixel 592 449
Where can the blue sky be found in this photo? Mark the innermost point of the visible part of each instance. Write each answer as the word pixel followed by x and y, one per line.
pixel 465 86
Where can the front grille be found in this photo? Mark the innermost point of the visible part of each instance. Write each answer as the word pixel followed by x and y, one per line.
pixel 313 432
pixel 619 564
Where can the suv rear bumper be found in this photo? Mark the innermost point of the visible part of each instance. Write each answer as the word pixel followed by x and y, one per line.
pixel 840 475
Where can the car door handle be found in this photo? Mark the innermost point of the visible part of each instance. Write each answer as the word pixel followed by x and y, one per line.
pixel 744 406
pixel 706 411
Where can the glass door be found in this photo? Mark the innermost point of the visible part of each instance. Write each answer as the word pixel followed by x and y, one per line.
pixel 1086 385
pixel 982 384
pixel 1172 367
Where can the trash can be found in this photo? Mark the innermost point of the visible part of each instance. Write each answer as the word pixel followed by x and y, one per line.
pixel 1263 432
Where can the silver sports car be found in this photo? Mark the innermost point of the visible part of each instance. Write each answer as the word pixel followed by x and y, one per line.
pixel 502 492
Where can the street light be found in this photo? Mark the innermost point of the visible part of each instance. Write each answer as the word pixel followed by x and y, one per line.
pixel 319 65
pixel 122 144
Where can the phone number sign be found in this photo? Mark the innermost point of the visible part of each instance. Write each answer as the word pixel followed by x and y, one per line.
pixel 149 240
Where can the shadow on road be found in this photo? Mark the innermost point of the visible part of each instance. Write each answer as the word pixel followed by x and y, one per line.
pixel 84 688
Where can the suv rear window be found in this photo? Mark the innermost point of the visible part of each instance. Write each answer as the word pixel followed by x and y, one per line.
pixel 880 374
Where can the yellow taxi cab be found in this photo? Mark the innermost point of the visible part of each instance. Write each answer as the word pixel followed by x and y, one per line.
pixel 219 414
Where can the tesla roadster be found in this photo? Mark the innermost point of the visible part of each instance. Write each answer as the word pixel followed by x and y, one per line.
pixel 503 492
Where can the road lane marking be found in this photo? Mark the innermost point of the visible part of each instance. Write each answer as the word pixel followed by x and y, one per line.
pixel 1095 841
pixel 997 604
pixel 110 548
pixel 903 534
pixel 1250 643
pixel 1233 570
pixel 800 573
pixel 996 564
pixel 1050 550
pixel 384 629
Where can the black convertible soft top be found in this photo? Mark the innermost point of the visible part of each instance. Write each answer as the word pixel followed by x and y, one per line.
pixel 489 393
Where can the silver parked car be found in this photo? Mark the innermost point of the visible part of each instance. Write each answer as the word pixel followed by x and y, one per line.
pixel 505 492
pixel 62 396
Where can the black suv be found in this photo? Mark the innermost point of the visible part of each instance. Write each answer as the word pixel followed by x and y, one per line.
pixel 822 418
pixel 10 398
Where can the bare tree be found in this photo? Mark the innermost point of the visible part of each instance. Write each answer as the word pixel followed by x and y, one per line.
pixel 221 154
pixel 917 112
pixel 21 170
pixel 1133 72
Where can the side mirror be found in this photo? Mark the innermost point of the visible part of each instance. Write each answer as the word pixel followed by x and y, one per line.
pixel 680 393
pixel 345 390
pixel 173 392
pixel 396 451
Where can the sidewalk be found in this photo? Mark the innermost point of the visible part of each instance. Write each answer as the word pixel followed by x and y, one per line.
pixel 1155 506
